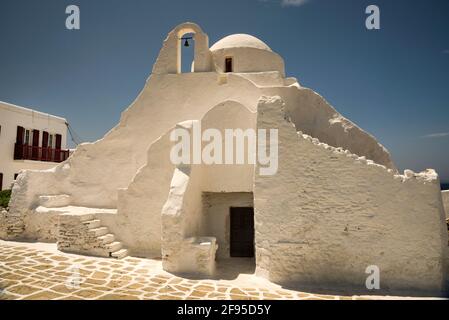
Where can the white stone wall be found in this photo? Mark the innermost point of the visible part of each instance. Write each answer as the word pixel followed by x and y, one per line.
pixel 265 79
pixel 12 116
pixel 313 115
pixel 140 204
pixel 328 214
pixel 181 225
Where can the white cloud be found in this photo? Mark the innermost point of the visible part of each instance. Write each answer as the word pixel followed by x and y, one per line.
pixel 293 3
pixel 436 135
pixel 286 3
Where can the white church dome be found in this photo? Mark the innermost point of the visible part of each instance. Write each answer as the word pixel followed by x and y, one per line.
pixel 240 40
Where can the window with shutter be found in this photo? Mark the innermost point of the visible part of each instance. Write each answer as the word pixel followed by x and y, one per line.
pixel 19 137
pixel 35 149
pixel 45 151
pixel 58 148
pixel 18 148
pixel 58 141
pixel 27 136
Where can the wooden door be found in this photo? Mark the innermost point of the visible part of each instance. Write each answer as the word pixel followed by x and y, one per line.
pixel 242 232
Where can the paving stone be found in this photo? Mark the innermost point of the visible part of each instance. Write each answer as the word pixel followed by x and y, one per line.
pixel 8 296
pixel 239 297
pixel 38 274
pixel 42 284
pixel 271 296
pixel 135 286
pixel 59 258
pixel 168 297
pixel 197 293
pixel 175 280
pixel 62 288
pixel 95 281
pixel 43 295
pixel 22 289
pixel 100 275
pixel 129 292
pixel 117 297
pixel 182 288
pixel 89 294
pixel 237 291
pixel 206 288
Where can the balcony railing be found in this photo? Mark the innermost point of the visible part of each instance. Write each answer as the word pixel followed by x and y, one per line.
pixel 26 152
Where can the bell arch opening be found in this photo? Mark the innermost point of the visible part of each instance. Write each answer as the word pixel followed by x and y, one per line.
pixel 187 52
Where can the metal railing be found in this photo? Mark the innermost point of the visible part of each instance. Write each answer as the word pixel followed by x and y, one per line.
pixel 26 152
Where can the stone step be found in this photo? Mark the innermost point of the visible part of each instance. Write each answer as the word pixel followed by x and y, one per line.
pixel 107 238
pixel 114 246
pixel 92 224
pixel 99 231
pixel 119 254
pixel 85 216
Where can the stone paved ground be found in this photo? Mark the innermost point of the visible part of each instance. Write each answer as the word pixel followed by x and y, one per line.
pixel 39 271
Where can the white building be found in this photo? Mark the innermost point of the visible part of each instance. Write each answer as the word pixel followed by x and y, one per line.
pixel 29 139
pixel 335 206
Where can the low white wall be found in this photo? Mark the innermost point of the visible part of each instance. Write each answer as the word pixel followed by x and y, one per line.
pixel 182 219
pixel 265 79
pixel 313 115
pixel 327 215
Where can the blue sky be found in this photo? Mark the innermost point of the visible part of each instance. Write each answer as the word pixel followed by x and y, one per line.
pixel 393 82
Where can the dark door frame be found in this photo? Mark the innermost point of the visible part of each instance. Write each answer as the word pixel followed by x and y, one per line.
pixel 241 231
pixel 229 65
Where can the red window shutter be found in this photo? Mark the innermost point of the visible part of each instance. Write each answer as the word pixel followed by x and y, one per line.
pixel 58 141
pixel 45 153
pixel 19 137
pixel 44 139
pixel 1 181
pixel 35 138
pixel 18 148
pixel 35 149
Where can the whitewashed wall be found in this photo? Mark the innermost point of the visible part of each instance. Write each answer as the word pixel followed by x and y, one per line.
pixel 327 215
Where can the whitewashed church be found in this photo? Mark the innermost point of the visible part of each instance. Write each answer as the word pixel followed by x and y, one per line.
pixel 335 205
